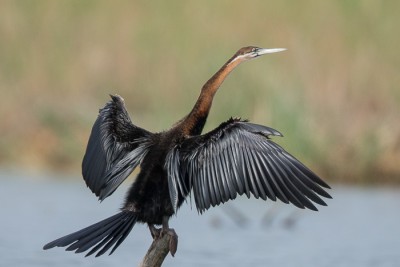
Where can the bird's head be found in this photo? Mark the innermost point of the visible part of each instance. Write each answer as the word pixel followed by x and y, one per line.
pixel 250 52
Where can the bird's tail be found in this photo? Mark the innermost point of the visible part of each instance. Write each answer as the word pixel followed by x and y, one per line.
pixel 99 236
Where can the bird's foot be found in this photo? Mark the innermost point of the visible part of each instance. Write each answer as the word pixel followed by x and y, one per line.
pixel 155 232
pixel 173 241
pixel 159 233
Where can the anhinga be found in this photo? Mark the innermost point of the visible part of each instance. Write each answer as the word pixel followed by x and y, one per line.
pixel 236 158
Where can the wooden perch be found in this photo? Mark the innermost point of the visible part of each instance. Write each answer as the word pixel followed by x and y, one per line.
pixel 157 252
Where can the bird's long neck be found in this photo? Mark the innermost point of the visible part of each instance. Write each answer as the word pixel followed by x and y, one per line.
pixel 193 123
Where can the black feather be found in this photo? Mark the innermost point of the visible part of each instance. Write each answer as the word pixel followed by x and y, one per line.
pixel 114 228
pixel 115 148
pixel 240 158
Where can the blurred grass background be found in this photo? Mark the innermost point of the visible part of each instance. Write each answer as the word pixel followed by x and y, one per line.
pixel 334 94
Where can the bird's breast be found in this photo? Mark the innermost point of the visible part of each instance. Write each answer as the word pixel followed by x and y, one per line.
pixel 149 194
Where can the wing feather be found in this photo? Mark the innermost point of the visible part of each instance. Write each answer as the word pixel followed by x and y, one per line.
pixel 203 190
pixel 223 185
pixel 271 179
pixel 234 166
pixel 115 148
pixel 242 170
pixel 284 183
pixel 299 183
pixel 239 158
pixel 249 174
pixel 261 168
pixel 210 179
pixel 216 185
pixel 259 176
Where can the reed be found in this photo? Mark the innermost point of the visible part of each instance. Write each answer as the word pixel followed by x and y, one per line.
pixel 334 94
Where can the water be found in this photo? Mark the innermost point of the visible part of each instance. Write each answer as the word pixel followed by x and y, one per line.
pixel 360 227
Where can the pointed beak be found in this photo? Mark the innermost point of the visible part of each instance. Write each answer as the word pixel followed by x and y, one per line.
pixel 262 51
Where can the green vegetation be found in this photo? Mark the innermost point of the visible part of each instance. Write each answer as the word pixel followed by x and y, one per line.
pixel 334 94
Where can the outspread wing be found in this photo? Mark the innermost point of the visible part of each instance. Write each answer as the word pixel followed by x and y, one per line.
pixel 239 158
pixel 115 148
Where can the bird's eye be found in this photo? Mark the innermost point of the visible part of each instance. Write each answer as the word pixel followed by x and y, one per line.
pixel 254 49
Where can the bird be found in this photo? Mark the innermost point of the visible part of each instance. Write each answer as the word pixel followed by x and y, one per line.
pixel 236 158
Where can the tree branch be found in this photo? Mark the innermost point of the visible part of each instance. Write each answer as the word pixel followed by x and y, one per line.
pixel 157 252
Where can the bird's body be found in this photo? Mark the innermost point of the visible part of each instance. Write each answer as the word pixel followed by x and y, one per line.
pixel 236 158
pixel 149 193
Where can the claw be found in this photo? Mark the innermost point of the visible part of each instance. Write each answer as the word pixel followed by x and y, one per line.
pixel 173 241
pixel 165 230
pixel 155 233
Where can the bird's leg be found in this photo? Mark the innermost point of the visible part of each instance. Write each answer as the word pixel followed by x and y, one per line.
pixel 155 233
pixel 173 242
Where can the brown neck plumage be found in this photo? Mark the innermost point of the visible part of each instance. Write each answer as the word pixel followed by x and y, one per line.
pixel 193 123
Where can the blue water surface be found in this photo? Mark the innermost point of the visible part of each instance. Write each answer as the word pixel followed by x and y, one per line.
pixel 360 227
